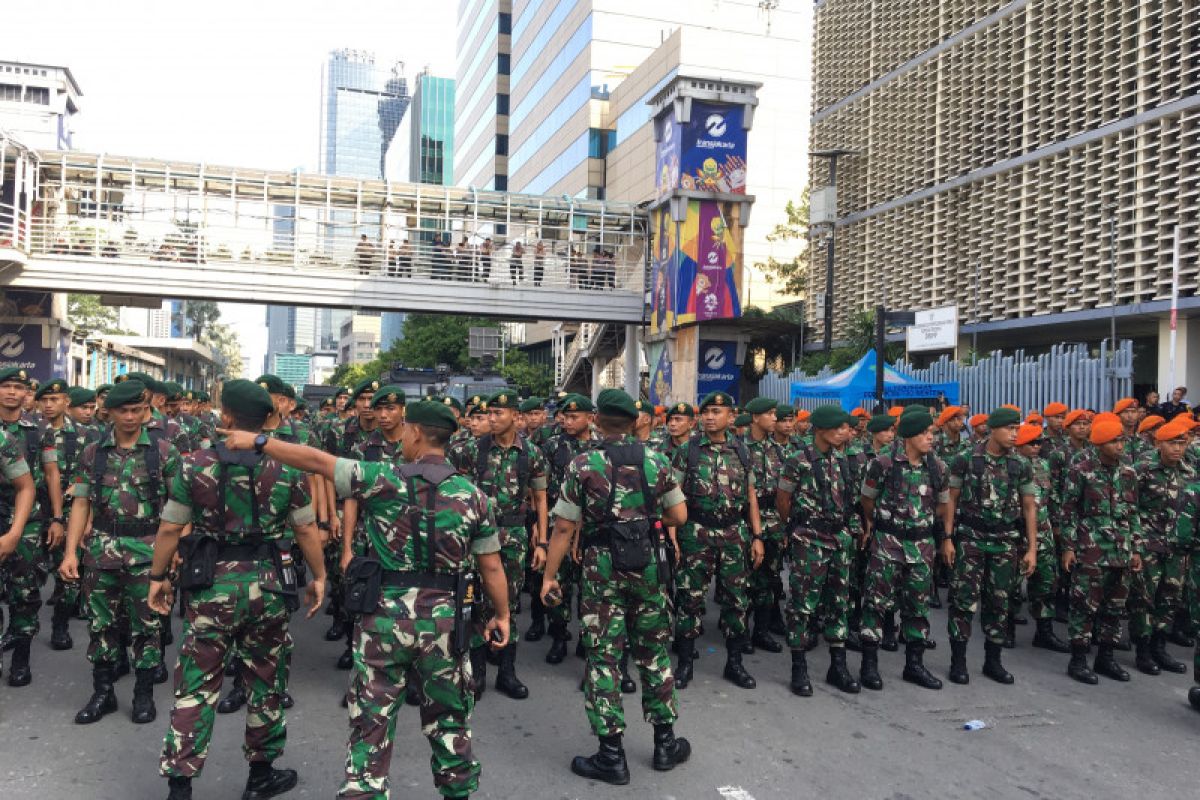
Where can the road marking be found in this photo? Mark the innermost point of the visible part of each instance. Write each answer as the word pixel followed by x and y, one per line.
pixel 734 793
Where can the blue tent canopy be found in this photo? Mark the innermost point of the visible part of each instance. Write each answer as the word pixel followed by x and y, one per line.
pixel 855 386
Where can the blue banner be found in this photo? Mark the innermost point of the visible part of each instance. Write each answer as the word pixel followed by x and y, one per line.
pixel 718 370
pixel 712 150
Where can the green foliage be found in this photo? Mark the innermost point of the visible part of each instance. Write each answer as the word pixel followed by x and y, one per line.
pixel 198 315
pixel 531 379
pixel 224 340
pixel 432 339
pixel 792 274
pixel 88 316
pixel 350 374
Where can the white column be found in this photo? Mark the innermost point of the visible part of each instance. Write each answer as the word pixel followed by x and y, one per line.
pixel 1187 357
pixel 633 360
pixel 598 365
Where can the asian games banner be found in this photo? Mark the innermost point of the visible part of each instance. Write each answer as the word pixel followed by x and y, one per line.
pixel 693 278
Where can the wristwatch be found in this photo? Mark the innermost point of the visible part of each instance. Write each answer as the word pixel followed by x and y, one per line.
pixel 324 525
pixel 544 545
pixel 260 442
pixel 162 576
pixel 59 520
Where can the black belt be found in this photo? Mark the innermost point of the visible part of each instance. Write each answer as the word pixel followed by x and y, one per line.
pixel 766 502
pixel 977 524
pixel 711 520
pixel 419 580
pixel 245 551
pixel 513 519
pixel 131 528
pixel 906 534
pixel 821 526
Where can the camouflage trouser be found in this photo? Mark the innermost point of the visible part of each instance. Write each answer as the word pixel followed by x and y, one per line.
pixel 514 544
pixel 706 552
pixel 617 604
pixel 1192 605
pixel 1155 593
pixel 891 583
pixel 26 575
pixel 116 598
pixel 820 582
pixel 987 572
pixel 333 569
pixel 766 582
pixel 66 592
pixel 858 578
pixel 234 613
pixel 391 645
pixel 1099 592
pixel 559 616
pixel 1040 586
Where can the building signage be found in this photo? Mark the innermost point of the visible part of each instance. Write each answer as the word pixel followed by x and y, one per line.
pixel 718 370
pixel 934 329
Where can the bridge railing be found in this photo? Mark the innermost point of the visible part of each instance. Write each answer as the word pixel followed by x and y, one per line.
pixel 14 228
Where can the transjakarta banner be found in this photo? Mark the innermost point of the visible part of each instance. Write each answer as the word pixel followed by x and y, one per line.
pixel 707 154
pixel 718 370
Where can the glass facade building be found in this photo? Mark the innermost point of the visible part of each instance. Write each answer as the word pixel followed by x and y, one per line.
pixel 432 147
pixel 362 104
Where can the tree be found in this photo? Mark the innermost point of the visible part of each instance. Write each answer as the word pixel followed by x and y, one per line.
pixel 350 374
pixel 535 380
pixel 224 340
pixel 793 274
pixel 432 339
pixel 89 316
pixel 199 315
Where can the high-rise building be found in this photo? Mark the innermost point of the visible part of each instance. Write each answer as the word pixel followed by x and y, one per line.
pixel 423 149
pixel 362 103
pixel 292 368
pixel 38 103
pixel 1029 162
pixel 290 329
pixel 482 93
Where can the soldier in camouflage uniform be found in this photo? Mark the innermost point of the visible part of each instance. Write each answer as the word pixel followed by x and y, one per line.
pixel 1129 412
pixel 174 409
pixel 510 471
pixel 1099 525
pixel 474 425
pixel 1155 591
pixel 613 494
pixel 881 429
pixel 158 424
pixel 995 540
pixel 785 426
pixel 82 408
pixel 43 531
pixel 723 528
pixel 120 485
pixel 59 431
pixel 949 441
pixel 18 494
pixel 239 505
pixel 1144 442
pixel 904 497
pixel 1188 545
pixel 1042 583
pixel 817 498
pixel 681 420
pixel 1055 416
pixel 766 459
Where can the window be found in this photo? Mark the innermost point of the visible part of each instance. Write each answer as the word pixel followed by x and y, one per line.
pixel 502 104
pixel 501 144
pixel 503 62
pixel 10 92
pixel 501 183
pixel 37 94
pixel 600 142
pixel 505 22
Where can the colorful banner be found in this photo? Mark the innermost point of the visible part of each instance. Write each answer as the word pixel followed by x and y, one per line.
pixel 695 280
pixel 666 162
pixel 712 150
pixel 718 370
pixel 661 381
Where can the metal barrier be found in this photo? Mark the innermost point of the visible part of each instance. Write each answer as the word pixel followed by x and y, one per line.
pixel 14 228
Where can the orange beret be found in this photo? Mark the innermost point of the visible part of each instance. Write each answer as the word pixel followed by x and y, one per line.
pixel 861 412
pixel 1105 415
pixel 1075 416
pixel 1150 423
pixel 1014 408
pixel 660 410
pixel 1171 430
pixel 1028 433
pixel 977 420
pixel 802 414
pixel 1105 429
pixel 1034 418
pixel 1124 403
pixel 1054 409
pixel 948 413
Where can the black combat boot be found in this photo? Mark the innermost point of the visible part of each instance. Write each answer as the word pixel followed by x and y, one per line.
pixel 235 699
pixel 19 673
pixel 122 667
pixel 103 700
pixel 935 600
pixel 868 670
pixel 735 673
pixel 1194 697
pixel 60 630
pixel 537 624
pixel 992 667
pixel 838 675
pixel 179 789
pixel 669 750
pixel 607 765
pixel 1158 651
pixel 266 781
pixel 915 670
pixel 346 659
pixel 1181 630
pixel 1143 660
pixel 160 673
pixel 762 633
pixel 143 697
pixel 1078 668
pixel 478 671
pixel 558 644
pixel 1046 639
pixel 412 693
pixel 958 662
pixel 889 633
pixel 627 684
pixel 1107 666
pixel 801 686
pixel 286 700
pixel 506 677
pixel 777 624
pixel 336 630
pixel 683 671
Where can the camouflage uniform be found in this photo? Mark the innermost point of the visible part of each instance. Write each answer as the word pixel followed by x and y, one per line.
pixel 947 449
pixel 376 448
pixel 410 633
pixel 906 499
pixel 243 610
pixel 13 465
pixel 715 539
pixel 172 431
pixel 1155 592
pixel 621 603
pixel 27 567
pixel 989 539
pixel 767 462
pixel 560 450
pixel 1041 584
pixel 1100 523
pixel 68 442
pixel 1188 546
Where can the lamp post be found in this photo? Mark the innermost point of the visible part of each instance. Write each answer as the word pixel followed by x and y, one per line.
pixel 833 154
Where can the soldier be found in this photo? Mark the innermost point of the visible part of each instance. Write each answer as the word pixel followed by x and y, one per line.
pixel 904 497
pixel 681 420
pixel 612 497
pixel 101 411
pixel 1055 415
pixel 645 422
pixel 1128 411
pixel 120 486
pixel 240 587
pixel 43 529
pixel 766 459
pixel 1155 591
pixel 1144 442
pixel 723 527
pixel 176 396
pixel 1042 583
pixel 18 494
pixel 476 419
pixel 509 470
pixel 882 431
pixel 978 427
pixel 785 426
pixel 59 432
pixel 994 501
pixel 82 408
pixel 1099 525
pixel 949 440
pixel 1189 546
pixel 800 434
pixel 817 499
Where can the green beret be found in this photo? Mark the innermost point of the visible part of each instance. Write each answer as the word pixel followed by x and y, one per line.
pixel 124 393
pixel 390 394
pixel 914 424
pixel 681 410
pixel 742 420
pixel 576 402
pixel 341 391
pixel 14 374
pixel 828 416
pixel 643 407
pixel 761 405
pixel 784 411
pixel 615 403
pixel 716 399
pixel 475 400
pixel 432 413
pixel 172 390
pixel 880 422
pixel 365 385
pixel 52 386
pixel 102 388
pixel 451 402
pixel 272 383
pixel 301 404
pixel 532 404
pixel 151 383
pixel 913 408
pixel 1002 417
pixel 328 402
pixel 505 398
pixel 247 398
pixel 201 397
pixel 478 410
pixel 80 395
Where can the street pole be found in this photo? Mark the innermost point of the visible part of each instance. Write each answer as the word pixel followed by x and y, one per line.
pixel 829 250
pixel 880 325
pixel 1112 317
pixel 975 319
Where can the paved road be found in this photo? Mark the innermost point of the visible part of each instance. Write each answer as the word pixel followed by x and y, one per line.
pixel 1047 737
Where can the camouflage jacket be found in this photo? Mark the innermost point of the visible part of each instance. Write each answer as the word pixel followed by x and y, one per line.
pixel 68 442
pixel 543 434
pixel 560 450
pixel 991 488
pixel 824 496
pixel 28 440
pixel 1099 511
pixel 1158 496
pixel 858 454
pixel 1043 487
pixel 194 430
pixel 128 494
pixel 1053 441
pixel 1059 463
pixel 461 526
pixel 766 462
pixel 1187 526
pixel 376 448
pixel 341 437
pixel 500 477
pixel 907 497
pixel 946 449
pixel 13 465
pixel 172 431
pixel 720 485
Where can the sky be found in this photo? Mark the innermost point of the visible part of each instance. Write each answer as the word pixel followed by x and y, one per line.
pixel 224 82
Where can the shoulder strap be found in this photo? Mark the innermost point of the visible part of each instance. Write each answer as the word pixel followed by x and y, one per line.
pixel 154 468
pixel 372 452
pixel 739 447
pixel 627 455
pixel 99 465
pixel 246 459
pixel 483 451
pixel 434 475
pixel 693 463
pixel 33 445
pixel 70 449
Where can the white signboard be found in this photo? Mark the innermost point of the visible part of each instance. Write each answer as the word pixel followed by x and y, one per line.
pixel 935 329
